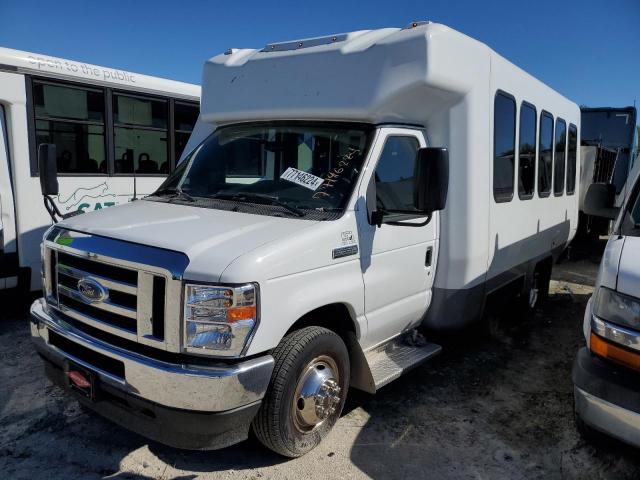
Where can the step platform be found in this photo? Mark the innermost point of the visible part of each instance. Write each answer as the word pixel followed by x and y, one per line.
pixel 398 356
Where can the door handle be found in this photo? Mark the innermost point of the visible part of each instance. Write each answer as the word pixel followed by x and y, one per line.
pixel 427 257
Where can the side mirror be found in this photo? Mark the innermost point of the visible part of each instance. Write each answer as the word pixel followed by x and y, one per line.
pixel 48 167
pixel 599 199
pixel 431 179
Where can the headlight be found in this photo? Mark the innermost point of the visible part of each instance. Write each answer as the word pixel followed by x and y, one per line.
pixel 219 319
pixel 617 308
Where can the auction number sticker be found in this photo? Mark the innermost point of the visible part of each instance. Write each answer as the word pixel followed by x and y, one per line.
pixel 304 179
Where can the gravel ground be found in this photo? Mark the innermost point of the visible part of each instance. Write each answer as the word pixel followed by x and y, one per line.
pixel 486 408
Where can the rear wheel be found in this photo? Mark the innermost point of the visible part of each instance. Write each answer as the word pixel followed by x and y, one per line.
pixel 537 291
pixel 308 389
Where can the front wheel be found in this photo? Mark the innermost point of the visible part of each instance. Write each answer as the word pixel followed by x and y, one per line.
pixel 308 389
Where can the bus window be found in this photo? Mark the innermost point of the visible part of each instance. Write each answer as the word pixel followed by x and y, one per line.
pixel 504 144
pixel 185 116
pixel 572 157
pixel 527 151
pixel 545 153
pixel 140 134
pixel 559 157
pixel 72 118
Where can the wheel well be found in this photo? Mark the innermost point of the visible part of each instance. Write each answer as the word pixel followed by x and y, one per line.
pixel 339 319
pixel 335 317
pixel 544 266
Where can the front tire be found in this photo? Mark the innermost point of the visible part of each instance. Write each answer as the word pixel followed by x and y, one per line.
pixel 307 392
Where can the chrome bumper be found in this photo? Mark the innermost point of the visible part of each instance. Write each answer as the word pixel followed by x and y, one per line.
pixel 181 386
pixel 608 418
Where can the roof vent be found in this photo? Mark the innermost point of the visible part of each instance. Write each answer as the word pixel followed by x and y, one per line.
pixel 310 42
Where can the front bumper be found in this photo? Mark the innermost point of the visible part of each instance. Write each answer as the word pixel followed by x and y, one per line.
pixel 607 397
pixel 190 406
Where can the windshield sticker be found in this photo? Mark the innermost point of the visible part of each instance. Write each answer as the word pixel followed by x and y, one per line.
pixel 304 179
pixel 334 175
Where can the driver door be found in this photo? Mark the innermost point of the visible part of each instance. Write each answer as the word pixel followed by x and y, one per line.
pixel 398 257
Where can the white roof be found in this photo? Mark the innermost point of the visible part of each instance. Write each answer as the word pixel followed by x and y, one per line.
pixel 45 65
pixel 386 75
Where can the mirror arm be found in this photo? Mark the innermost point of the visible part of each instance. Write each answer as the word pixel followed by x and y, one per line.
pixel 52 208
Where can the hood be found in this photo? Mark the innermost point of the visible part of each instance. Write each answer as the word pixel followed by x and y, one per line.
pixel 629 268
pixel 211 238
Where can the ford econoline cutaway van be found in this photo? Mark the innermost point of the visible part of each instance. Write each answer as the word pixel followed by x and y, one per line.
pixel 340 197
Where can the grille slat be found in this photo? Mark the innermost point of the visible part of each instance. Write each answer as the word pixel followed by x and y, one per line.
pixel 105 305
pixel 99 318
pixel 105 270
pixel 109 283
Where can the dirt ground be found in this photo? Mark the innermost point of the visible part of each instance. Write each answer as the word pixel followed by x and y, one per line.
pixel 496 407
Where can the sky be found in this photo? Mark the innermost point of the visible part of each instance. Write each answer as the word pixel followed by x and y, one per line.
pixel 588 50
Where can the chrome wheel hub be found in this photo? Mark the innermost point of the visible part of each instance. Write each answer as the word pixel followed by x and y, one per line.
pixel 317 394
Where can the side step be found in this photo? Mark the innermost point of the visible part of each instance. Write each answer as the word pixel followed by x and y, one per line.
pixel 398 356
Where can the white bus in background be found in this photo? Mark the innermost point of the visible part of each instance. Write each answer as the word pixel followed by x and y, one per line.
pixel 107 125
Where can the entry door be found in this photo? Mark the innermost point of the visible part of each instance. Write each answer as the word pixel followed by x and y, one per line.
pixel 8 245
pixel 397 257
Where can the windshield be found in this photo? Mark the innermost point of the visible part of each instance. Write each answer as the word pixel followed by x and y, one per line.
pixel 284 169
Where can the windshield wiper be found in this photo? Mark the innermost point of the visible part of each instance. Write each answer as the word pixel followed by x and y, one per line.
pixel 177 192
pixel 249 196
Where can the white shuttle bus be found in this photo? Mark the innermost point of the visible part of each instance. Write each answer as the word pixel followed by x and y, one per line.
pixel 107 125
pixel 342 197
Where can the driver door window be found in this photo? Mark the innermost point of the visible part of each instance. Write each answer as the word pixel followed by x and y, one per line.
pixel 394 174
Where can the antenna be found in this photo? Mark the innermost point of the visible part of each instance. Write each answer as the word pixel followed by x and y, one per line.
pixel 135 179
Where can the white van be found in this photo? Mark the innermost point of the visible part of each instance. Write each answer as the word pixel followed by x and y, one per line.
pixel 341 193
pixel 109 125
pixel 606 371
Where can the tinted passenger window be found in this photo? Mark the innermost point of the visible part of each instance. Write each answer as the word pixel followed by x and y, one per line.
pixel 72 118
pixel 559 157
pixel 394 174
pixel 572 157
pixel 504 141
pixel 185 116
pixel 527 152
pixel 140 134
pixel 545 154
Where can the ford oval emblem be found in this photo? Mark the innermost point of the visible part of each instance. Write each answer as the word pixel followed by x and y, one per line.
pixel 91 291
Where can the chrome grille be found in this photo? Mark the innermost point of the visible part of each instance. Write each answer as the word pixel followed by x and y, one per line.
pixel 142 286
pixel 119 309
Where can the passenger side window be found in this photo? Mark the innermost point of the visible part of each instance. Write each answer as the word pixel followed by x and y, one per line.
pixel 185 116
pixel 140 134
pixel 545 154
pixel 559 157
pixel 72 118
pixel 504 144
pixel 572 157
pixel 394 174
pixel 527 151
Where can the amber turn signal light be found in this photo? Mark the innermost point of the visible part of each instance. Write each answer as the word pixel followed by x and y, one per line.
pixel 612 352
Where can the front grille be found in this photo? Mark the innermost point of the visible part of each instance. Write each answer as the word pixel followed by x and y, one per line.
pixel 119 309
pixel 131 303
pixel 604 165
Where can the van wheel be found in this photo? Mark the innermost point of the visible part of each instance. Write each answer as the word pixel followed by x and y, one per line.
pixel 308 389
